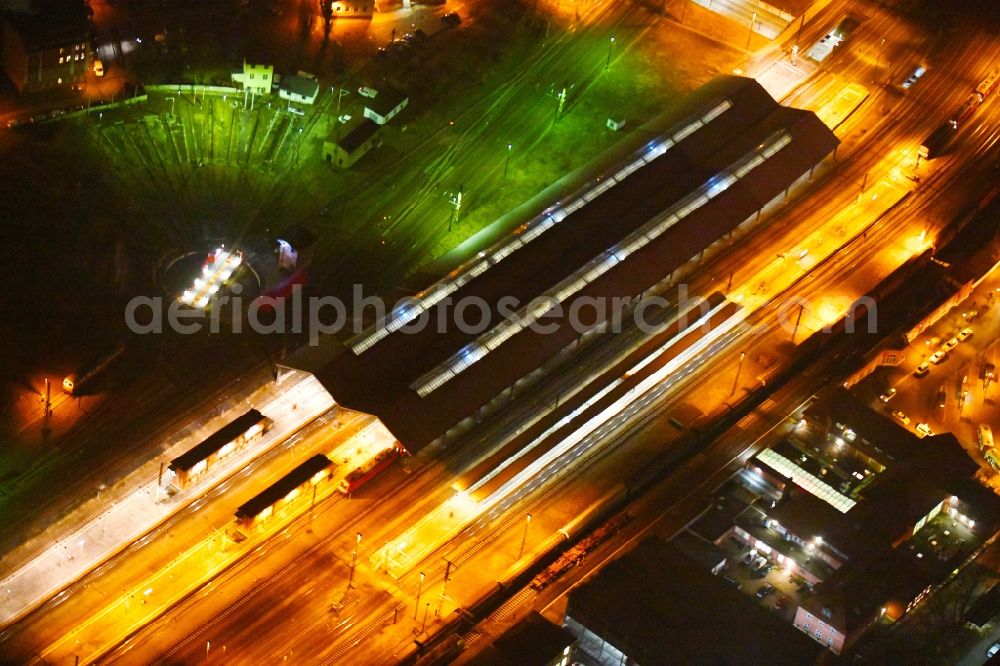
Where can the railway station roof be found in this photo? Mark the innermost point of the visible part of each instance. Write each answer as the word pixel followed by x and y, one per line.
pixel 725 151
pixel 280 488
pixel 215 441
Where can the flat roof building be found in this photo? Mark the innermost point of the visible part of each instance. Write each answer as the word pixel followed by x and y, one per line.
pixel 875 538
pixel 655 606
pixel 264 503
pixel 534 641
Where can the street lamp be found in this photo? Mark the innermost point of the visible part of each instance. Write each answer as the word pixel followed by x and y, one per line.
pixel 354 561
pixel 420 588
pixel 753 20
pixel 878 59
pixel 524 537
pixel 610 46
pixel 341 93
pixel 739 367
pixel 510 147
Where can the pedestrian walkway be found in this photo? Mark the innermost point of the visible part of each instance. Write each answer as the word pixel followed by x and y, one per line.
pixel 293 403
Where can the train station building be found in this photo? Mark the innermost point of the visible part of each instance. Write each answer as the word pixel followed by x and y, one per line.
pixel 720 156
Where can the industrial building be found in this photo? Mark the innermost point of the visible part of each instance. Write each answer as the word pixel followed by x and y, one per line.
pixel 653 605
pixel 869 514
pixel 726 151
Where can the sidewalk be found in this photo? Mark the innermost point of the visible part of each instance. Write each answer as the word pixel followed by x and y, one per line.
pixel 291 405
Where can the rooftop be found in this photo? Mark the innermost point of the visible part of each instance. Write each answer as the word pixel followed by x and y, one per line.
pixel 283 486
pixel 386 376
pixel 891 508
pixel 215 441
pixel 699 550
pixel 877 435
pixel 386 100
pixel 534 641
pixel 658 607
pixel 754 521
pixel 365 130
pixel 303 86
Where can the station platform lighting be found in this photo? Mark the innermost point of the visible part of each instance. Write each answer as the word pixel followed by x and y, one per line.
pixel 218 268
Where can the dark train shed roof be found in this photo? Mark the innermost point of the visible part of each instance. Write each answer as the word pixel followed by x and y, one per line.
pixel 280 488
pixel 378 380
pixel 658 607
pixel 215 441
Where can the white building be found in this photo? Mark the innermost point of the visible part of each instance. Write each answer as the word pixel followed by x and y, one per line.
pixel 301 88
pixel 386 105
pixel 256 79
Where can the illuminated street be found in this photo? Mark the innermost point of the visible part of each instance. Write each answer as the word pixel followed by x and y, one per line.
pixel 734 271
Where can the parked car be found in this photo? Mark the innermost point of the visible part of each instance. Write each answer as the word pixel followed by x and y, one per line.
pixel 923 430
pixel 344 118
pixel 951 344
pixel 781 602
pixel 901 417
pixel 364 91
pixel 965 334
pixel 942 396
pixel 765 590
pixel 98 67
pixel 451 19
pixel 993 649
pixel 938 356
pixel 918 71
pixel 922 369
pixel 888 395
pixel 760 573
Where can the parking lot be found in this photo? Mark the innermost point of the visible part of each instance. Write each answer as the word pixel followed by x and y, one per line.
pixel 945 382
pixel 773 586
